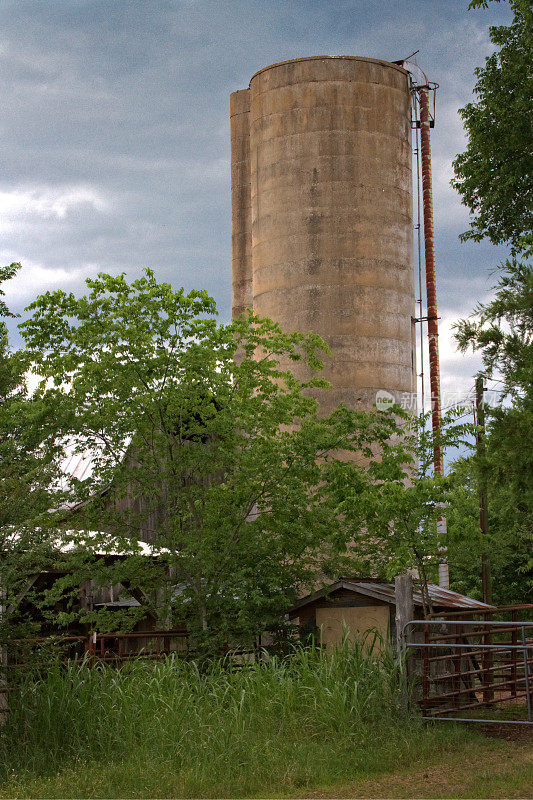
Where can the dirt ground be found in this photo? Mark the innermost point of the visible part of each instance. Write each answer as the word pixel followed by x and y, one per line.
pixel 499 766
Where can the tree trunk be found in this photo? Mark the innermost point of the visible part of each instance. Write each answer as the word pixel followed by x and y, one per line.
pixel 4 701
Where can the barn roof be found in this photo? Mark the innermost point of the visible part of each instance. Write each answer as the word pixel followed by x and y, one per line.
pixel 99 543
pixel 380 590
pixel 79 465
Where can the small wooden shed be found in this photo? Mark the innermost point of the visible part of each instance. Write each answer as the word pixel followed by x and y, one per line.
pixel 354 606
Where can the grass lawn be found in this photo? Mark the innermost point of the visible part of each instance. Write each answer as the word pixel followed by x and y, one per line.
pixel 480 768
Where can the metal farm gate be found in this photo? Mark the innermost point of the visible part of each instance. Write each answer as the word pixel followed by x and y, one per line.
pixel 472 670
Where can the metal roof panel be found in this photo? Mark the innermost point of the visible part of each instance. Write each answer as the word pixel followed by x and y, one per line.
pixel 444 598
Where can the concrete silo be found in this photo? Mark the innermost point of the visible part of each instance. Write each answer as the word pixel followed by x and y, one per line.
pixel 322 215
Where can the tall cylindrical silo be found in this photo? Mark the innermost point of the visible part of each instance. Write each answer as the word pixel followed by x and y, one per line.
pixel 322 215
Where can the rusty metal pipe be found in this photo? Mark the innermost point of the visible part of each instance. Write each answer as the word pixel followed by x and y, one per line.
pixel 431 284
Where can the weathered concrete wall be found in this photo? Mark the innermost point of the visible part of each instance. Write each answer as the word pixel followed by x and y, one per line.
pixel 241 216
pixel 330 243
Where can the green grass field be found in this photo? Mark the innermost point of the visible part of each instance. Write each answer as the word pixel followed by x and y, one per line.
pixel 312 725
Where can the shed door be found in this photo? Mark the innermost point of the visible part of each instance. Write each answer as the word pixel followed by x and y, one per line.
pixel 355 619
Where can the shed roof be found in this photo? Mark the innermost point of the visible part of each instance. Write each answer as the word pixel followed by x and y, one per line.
pixel 380 590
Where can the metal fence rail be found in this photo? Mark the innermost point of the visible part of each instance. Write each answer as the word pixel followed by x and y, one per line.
pixel 466 665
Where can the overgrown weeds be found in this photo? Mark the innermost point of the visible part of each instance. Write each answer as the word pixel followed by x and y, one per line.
pixel 310 718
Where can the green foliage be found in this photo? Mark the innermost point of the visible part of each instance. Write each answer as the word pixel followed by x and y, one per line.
pixel 207 444
pixel 6 273
pixel 481 3
pixel 22 483
pixel 26 473
pixel 294 723
pixel 393 518
pixel 494 177
pixel 509 538
pixel 502 330
pixel 494 174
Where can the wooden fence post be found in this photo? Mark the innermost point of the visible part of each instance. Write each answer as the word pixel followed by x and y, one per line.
pixel 405 608
pixel 405 611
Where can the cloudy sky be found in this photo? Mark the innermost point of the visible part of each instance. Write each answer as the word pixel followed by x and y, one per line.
pixel 115 132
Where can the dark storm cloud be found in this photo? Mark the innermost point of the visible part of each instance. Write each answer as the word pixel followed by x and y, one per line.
pixel 115 128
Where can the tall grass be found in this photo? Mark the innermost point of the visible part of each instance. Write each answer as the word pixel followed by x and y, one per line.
pixel 308 719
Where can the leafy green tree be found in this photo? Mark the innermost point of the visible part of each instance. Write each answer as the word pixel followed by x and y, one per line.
pixel 502 331
pixel 26 475
pixel 19 491
pixel 205 445
pixel 509 539
pixel 494 177
pixel 393 518
pixel 494 174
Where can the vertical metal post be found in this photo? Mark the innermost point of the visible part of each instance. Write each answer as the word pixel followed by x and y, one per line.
pixel 457 659
pixel 425 672
pixel 431 292
pixel 91 646
pixel 526 674
pixel 514 642
pixel 419 250
pixel 488 692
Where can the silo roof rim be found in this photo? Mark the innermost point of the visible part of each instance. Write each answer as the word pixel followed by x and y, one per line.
pixel 320 58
